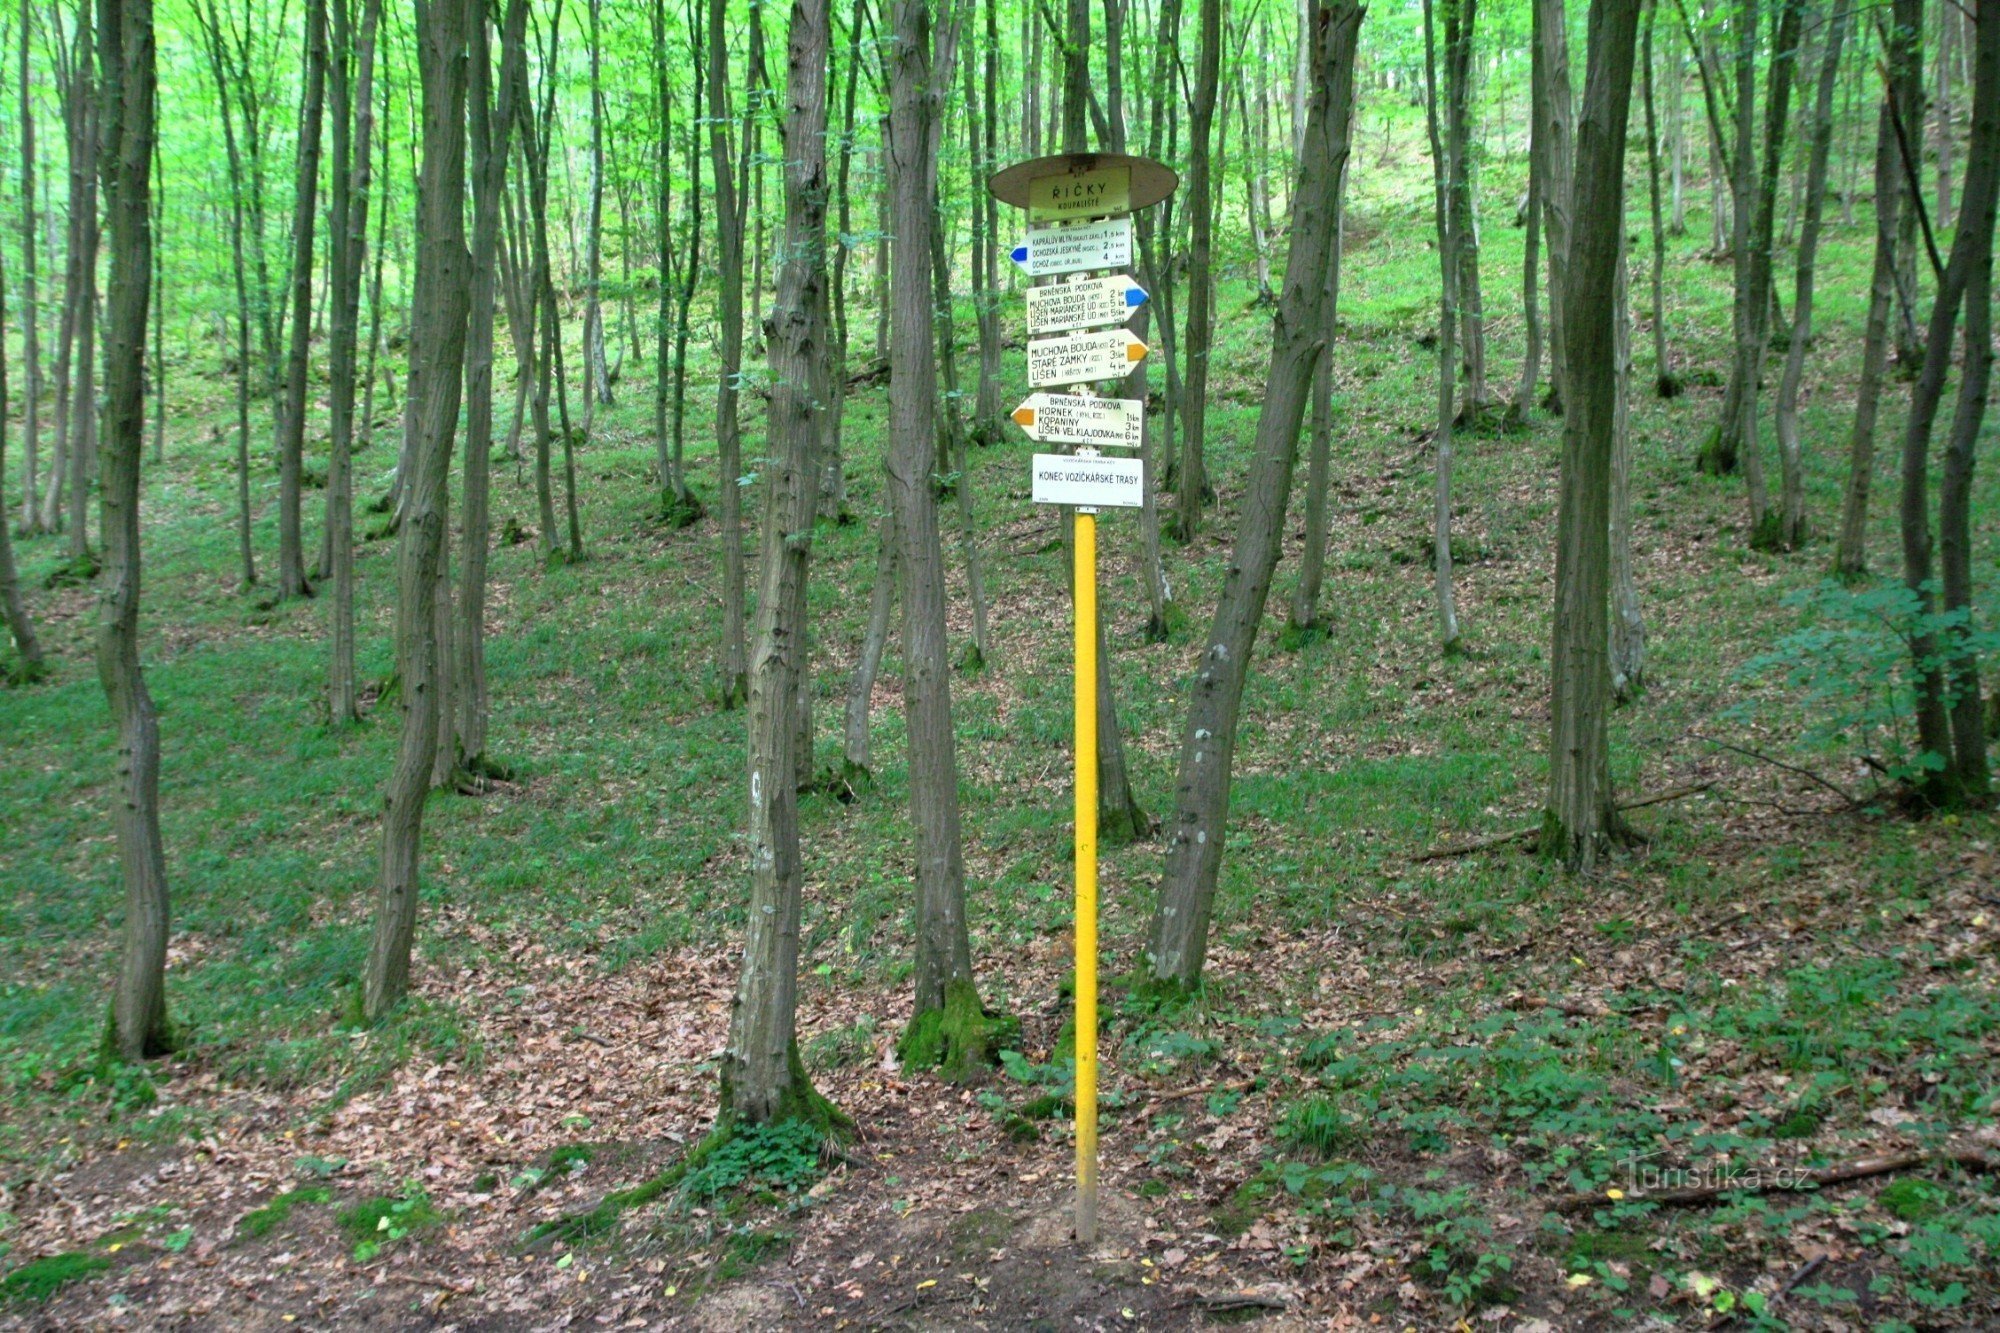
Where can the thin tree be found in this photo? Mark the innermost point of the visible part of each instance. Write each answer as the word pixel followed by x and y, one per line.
pixel 31 341
pixel 678 505
pixel 733 665
pixel 490 100
pixel 948 1027
pixel 126 70
pixel 597 373
pixel 1894 203
pixel 1444 176
pixel 1665 382
pixel 28 664
pixel 1950 713
pixel 1179 938
pixel 1192 477
pixel 1555 140
pixel 1582 815
pixel 763 1079
pixel 436 382
pixel 1792 524
pixel 305 211
pixel 353 58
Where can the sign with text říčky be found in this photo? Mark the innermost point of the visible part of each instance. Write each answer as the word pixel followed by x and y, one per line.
pixel 1077 248
pixel 1083 358
pixel 1068 418
pixel 1080 194
pixel 1098 483
pixel 1085 304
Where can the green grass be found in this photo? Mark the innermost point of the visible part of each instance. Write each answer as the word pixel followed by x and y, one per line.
pixel 34 1283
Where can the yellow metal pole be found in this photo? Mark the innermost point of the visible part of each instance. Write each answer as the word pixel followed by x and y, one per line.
pixel 1086 877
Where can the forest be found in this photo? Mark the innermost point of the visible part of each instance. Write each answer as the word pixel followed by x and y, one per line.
pixel 564 760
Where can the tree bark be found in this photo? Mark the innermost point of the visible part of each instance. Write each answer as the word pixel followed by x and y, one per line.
pixel 596 371
pixel 305 214
pixel 491 104
pixel 1582 814
pixel 855 769
pixel 732 665
pixel 762 1078
pixel 1192 473
pixel 353 128
pixel 944 952
pixel 126 67
pixel 436 382
pixel 28 664
pixel 1792 515
pixel 1892 204
pixel 1179 939
pixel 677 502
pixel 1665 382
pixel 1555 132
pixel 31 342
pixel 1948 706
pixel 1628 620
pixel 1444 174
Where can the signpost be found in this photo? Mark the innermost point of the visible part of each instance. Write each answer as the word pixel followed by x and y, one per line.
pixel 1085 202
pixel 1077 248
pixel 1072 418
pixel 1083 358
pixel 1084 304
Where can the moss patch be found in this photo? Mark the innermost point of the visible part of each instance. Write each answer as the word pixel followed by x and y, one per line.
pixel 37 1281
pixel 263 1221
pixel 959 1040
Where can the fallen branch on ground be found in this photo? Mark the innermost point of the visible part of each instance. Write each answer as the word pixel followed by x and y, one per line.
pixel 1534 831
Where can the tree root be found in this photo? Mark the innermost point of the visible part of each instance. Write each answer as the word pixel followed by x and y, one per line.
pixel 1532 835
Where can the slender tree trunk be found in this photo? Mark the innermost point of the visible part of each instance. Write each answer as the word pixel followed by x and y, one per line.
pixel 1304 619
pixel 1628 620
pixel 596 371
pixel 1582 814
pixel 1192 472
pixel 125 52
pixel 1467 302
pixel 1179 939
pixel 31 316
pixel 1946 131
pixel 1948 706
pixel 679 504
pixel 1892 203
pixel 1665 382
pixel 1155 237
pixel 944 981
pixel 305 213
pixel 733 666
pixel 1444 174
pixel 353 129
pixel 1531 251
pixel 1555 130
pixel 1792 519
pixel 762 1077
pixel 491 103
pixel 28 664
pixel 953 438
pixel 437 365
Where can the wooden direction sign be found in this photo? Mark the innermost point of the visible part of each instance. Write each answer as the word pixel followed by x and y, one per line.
pixel 1082 358
pixel 1078 248
pixel 1080 194
pixel 1068 418
pixel 1083 305
pixel 1103 483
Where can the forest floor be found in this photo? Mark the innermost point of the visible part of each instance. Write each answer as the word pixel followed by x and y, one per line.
pixel 1438 1093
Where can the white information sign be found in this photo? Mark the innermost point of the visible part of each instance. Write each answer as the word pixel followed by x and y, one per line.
pixel 1068 418
pixel 1077 248
pixel 1080 194
pixel 1098 483
pixel 1085 304
pixel 1082 358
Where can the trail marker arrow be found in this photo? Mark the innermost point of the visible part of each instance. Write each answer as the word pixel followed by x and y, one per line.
pixel 1067 418
pixel 1081 358
pixel 1082 305
pixel 1078 248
